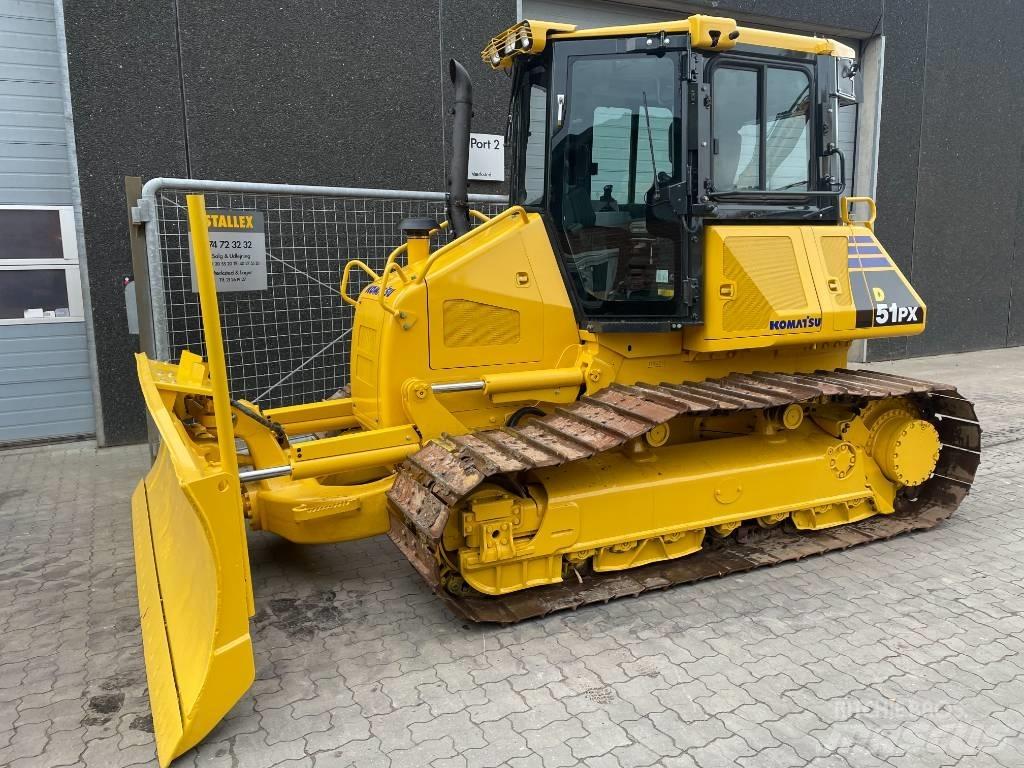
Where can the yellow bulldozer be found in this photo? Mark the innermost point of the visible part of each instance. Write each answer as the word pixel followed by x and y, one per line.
pixel 633 377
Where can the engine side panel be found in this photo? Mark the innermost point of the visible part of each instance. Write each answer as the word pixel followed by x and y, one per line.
pixel 492 302
pixel 770 286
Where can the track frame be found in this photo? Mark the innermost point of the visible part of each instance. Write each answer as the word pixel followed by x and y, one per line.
pixel 434 480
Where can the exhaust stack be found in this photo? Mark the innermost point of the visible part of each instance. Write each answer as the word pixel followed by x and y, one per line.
pixel 458 172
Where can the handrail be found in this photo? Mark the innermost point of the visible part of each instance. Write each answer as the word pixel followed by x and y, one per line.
pixel 515 210
pixel 344 279
pixel 394 255
pixel 391 265
pixel 844 211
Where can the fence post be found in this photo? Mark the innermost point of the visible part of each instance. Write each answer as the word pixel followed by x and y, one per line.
pixel 140 263
pixel 140 275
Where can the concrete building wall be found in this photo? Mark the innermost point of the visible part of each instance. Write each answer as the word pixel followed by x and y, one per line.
pixel 952 139
pixel 356 94
pixel 349 94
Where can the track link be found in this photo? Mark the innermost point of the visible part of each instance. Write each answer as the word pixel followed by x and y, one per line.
pixel 433 480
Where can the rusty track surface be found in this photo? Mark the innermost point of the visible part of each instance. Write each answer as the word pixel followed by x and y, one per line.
pixel 432 481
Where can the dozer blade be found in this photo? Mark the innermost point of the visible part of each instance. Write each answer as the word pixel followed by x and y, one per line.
pixel 193 579
pixel 431 482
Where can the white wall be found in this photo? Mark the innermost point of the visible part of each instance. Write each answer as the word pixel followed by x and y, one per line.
pixel 33 140
pixel 45 379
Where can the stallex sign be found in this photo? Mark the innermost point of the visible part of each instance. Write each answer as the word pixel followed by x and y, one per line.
pixel 238 245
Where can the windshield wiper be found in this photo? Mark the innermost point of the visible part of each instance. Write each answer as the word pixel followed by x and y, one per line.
pixel 820 212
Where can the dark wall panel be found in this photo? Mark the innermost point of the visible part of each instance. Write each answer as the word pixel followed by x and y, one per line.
pixel 899 144
pixel 346 94
pixel 967 192
pixel 1015 329
pixel 351 94
pixel 357 94
pixel 838 17
pixel 465 31
pixel 341 93
pixel 859 19
pixel 126 98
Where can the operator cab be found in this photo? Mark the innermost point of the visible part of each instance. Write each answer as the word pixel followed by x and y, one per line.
pixel 630 139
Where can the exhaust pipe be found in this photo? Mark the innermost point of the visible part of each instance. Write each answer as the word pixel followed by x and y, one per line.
pixel 458 172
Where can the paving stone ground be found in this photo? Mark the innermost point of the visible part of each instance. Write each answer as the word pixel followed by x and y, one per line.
pixel 902 653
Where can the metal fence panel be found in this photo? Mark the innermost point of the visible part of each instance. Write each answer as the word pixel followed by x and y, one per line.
pixel 289 343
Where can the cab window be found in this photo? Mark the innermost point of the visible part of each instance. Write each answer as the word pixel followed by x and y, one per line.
pixel 761 128
pixel 529 116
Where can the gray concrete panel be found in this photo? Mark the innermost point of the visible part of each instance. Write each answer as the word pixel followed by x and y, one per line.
pixel 1015 321
pixel 968 187
pixel 126 98
pixel 344 94
pixel 465 31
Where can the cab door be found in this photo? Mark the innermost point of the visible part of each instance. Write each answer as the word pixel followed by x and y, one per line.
pixel 617 167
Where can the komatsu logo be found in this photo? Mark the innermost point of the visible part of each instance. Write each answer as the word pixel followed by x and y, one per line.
pixel 799 323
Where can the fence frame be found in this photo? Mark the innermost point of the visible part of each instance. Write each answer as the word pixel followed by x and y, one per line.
pixel 146 252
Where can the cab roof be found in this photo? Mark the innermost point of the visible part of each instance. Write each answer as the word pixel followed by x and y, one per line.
pixel 715 33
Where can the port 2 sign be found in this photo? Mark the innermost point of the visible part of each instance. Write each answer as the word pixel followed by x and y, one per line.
pixel 486 157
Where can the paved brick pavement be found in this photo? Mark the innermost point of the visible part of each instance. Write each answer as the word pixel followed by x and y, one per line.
pixel 903 653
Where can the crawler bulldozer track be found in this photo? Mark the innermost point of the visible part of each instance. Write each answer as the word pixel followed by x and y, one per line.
pixel 435 479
